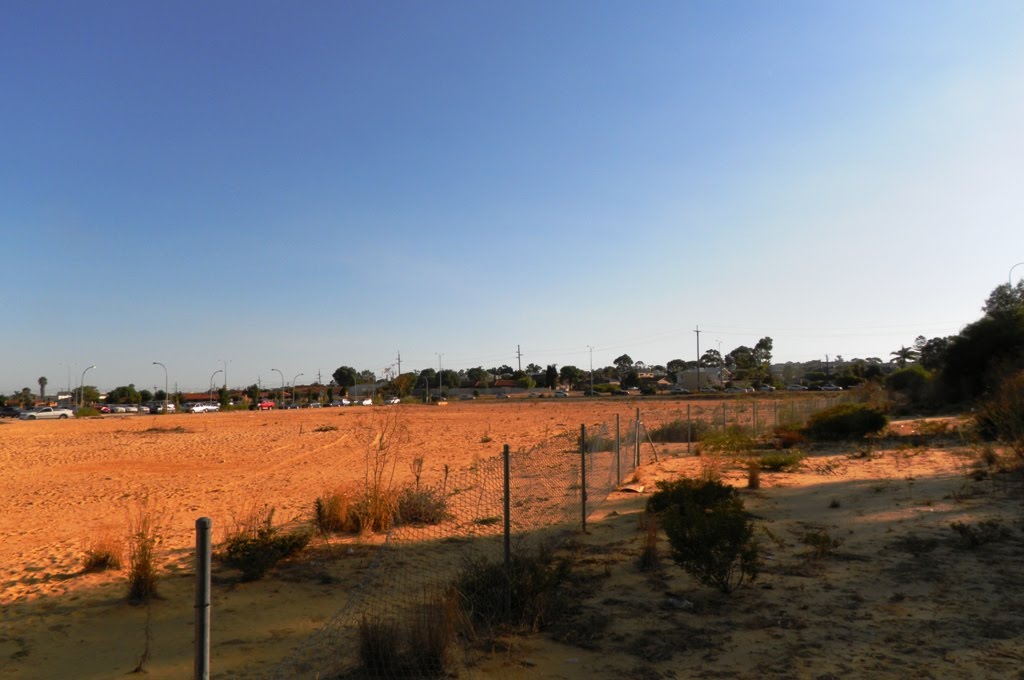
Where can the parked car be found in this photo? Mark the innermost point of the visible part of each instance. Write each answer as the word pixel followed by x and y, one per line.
pixel 202 407
pixel 680 390
pixel 622 393
pixel 831 388
pixel 796 388
pixel 734 390
pixel 391 401
pixel 10 411
pixel 314 404
pixel 47 413
pixel 365 402
pixel 766 388
pixel 467 397
pixel 265 405
pixel 561 393
pixel 503 396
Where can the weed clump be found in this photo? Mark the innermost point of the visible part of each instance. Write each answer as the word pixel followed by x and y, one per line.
pixel 419 649
pixel 845 421
pixel 421 506
pixel 780 462
pixel 649 547
pixel 710 533
pixel 103 554
pixel 987 531
pixel 332 513
pixel 254 549
pixel 522 595
pixel 142 576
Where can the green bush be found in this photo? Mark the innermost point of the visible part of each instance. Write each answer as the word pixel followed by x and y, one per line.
pixel 1002 416
pixel 911 379
pixel 845 421
pixel 86 412
pixel 688 492
pixel 421 506
pixel 735 438
pixel 677 431
pixel 710 534
pixel 780 462
pixel 525 594
pixel 255 551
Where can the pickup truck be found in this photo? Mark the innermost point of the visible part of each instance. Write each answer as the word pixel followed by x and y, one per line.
pixel 47 413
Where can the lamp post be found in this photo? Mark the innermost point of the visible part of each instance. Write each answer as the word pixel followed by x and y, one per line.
pixel 440 392
pixel 591 370
pixel 282 381
pixel 1009 277
pixel 81 387
pixel 211 383
pixel 157 363
pixel 293 385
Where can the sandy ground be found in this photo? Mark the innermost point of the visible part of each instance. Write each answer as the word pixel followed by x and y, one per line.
pixel 901 595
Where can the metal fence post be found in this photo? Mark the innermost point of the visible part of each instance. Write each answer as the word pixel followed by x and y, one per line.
pixel 618 457
pixel 636 441
pixel 202 660
pixel 508 509
pixel 689 429
pixel 755 418
pixel 583 474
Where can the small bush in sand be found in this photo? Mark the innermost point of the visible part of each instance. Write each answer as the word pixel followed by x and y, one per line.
pixel 679 431
pixel 845 421
pixel 781 462
pixel 420 649
pixel 786 436
pixel 421 506
pixel 259 545
pixel 734 439
pixel 1002 416
pixel 711 535
pixel 987 531
pixel 525 594
pixel 102 554
pixel 820 544
pixel 753 474
pixel 649 542
pixel 142 539
pixel 332 513
pixel 376 511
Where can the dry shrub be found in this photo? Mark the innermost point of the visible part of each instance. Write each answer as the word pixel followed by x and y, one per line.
pixel 142 539
pixel 384 437
pixel 333 512
pixel 649 536
pixel 753 474
pixel 1002 416
pixel 103 553
pixel 786 436
pixel 820 544
pixel 376 511
pixel 421 506
pixel 679 431
pixel 419 650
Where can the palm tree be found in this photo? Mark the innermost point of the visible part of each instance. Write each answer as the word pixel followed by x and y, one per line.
pixel 42 388
pixel 903 355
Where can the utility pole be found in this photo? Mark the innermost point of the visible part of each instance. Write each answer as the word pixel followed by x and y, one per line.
pixel 519 356
pixel 399 360
pixel 440 392
pixel 697 331
pixel 591 369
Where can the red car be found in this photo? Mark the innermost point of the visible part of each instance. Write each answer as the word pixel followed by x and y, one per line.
pixel 265 405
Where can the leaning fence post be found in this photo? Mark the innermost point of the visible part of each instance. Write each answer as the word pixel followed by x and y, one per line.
pixel 202 661
pixel 755 418
pixel 507 510
pixel 583 473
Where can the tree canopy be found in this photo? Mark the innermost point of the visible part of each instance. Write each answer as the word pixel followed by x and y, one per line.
pixel 345 376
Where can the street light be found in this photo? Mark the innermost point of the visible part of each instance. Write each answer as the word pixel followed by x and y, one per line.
pixel 211 383
pixel 591 370
pixel 282 381
pixel 440 392
pixel 157 363
pixel 1009 277
pixel 225 362
pixel 81 387
pixel 293 386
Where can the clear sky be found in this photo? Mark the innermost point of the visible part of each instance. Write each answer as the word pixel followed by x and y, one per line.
pixel 306 185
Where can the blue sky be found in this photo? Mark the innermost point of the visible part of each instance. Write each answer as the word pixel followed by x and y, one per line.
pixel 305 185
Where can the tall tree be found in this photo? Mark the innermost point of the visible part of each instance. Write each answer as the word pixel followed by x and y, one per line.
pixel 712 358
pixel 763 352
pixel 570 375
pixel 902 356
pixel 551 376
pixel 533 368
pixel 623 362
pixel 478 376
pixel 1005 298
pixel 42 388
pixel 345 376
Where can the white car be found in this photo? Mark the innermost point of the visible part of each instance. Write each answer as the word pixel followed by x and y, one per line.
pixel 391 401
pixel 561 393
pixel 48 413
pixel 203 408
pixel 365 402
pixel 831 388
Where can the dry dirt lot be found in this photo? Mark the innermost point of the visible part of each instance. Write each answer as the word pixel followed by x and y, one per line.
pixel 900 595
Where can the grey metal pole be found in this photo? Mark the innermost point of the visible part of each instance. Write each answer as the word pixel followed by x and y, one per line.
pixel 618 456
pixel 583 474
pixel 689 429
pixel 755 418
pixel 202 665
pixel 507 509
pixel 636 441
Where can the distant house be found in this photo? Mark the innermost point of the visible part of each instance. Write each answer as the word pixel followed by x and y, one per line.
pixel 714 376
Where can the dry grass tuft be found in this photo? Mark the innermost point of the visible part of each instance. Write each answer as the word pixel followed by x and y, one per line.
pixel 103 553
pixel 649 537
pixel 333 513
pixel 142 539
